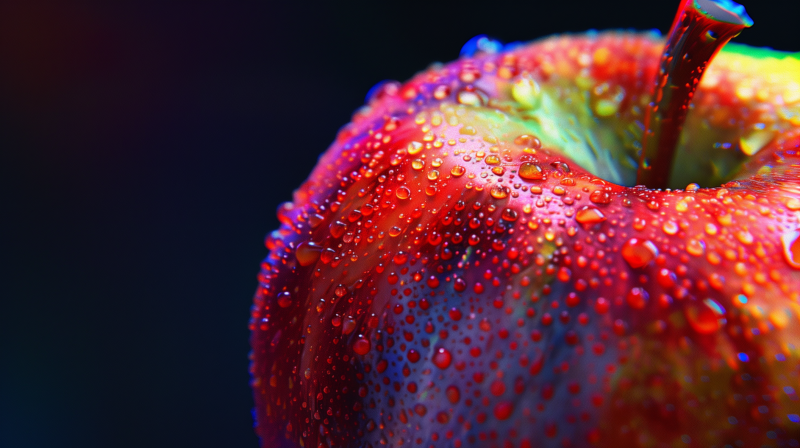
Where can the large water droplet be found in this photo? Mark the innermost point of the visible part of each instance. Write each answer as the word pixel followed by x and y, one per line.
pixel 284 299
pixel 499 191
pixel 600 197
pixel 442 358
pixel 458 171
pixel 638 253
pixel 705 317
pixel 403 193
pixel 307 252
pixel 589 215
pixel 361 346
pixel 530 171
pixel 791 248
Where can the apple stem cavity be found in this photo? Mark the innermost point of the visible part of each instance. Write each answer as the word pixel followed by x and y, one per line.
pixel 700 29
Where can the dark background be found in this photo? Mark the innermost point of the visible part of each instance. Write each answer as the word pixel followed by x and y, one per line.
pixel 144 148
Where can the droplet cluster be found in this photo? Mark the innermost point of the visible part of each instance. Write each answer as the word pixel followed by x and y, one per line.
pixel 453 273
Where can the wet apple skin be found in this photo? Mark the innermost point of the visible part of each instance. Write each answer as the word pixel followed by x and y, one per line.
pixel 468 213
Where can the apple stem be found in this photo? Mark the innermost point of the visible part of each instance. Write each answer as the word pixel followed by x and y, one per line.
pixel 700 29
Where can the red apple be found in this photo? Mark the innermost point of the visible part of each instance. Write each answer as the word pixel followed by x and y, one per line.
pixel 466 266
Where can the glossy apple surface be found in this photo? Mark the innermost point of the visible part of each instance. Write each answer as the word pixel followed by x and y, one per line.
pixel 466 267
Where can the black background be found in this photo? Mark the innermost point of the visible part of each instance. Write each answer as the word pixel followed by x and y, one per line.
pixel 144 148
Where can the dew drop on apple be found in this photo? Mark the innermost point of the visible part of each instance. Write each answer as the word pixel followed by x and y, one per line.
pixel 442 358
pixel 705 317
pixel 307 252
pixel 458 171
pixel 589 215
pixel 638 252
pixel 530 171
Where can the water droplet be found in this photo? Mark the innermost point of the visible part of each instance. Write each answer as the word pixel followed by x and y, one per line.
pixel 417 164
pixel 442 358
pixel 637 298
pixel 453 394
pixel 337 229
pixel 695 247
pixel 589 215
pixel 284 299
pixel 530 171
pixel 638 253
pixel 349 326
pixel 382 89
pixel 705 317
pixel 601 306
pixel 791 248
pixel 503 410
pixel 744 237
pixel 403 193
pixel 472 97
pixel 528 141
pixel 600 197
pixel 307 253
pixel 468 130
pixel 492 159
pixel 414 148
pixel 441 92
pixel 670 228
pixel 499 191
pixel 361 346
pixel 509 215
pixel 458 171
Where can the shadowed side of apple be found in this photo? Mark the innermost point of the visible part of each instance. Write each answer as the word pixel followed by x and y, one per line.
pixel 470 263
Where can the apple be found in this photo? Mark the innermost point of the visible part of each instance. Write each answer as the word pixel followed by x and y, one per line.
pixel 471 262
